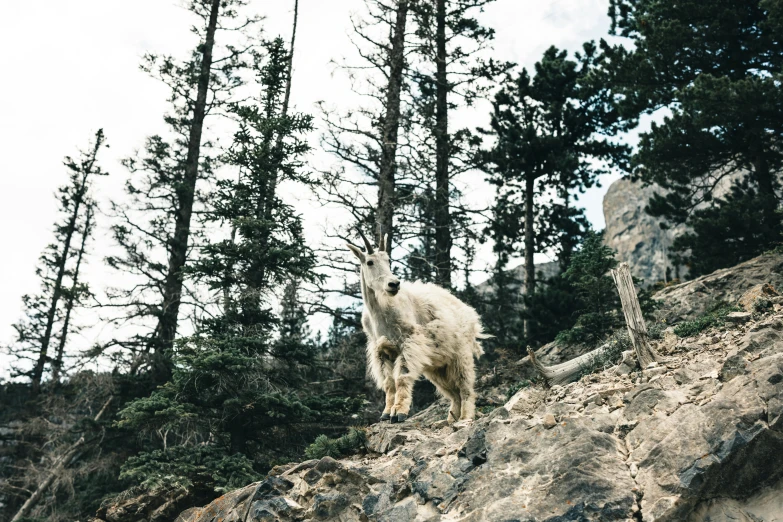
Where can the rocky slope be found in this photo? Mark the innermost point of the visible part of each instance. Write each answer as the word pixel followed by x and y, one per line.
pixel 697 438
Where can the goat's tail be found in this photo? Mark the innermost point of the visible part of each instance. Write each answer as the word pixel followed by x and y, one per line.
pixel 478 351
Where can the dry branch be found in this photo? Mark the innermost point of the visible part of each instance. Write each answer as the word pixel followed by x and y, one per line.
pixel 637 330
pixel 71 455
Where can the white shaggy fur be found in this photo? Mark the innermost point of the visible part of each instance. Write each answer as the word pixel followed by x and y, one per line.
pixel 416 329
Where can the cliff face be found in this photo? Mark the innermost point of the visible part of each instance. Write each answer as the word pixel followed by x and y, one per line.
pixel 636 236
pixel 699 437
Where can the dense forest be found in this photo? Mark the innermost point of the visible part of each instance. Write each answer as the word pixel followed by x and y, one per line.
pixel 215 374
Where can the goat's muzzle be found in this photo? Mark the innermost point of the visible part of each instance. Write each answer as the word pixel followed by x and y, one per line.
pixel 393 286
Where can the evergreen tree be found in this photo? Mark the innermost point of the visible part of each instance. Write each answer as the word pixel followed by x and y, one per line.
pixel 237 401
pixel 367 140
pixel 726 232
pixel 155 229
pixel 451 70
pixel 294 343
pixel 552 135
pixel 594 296
pixel 599 304
pixel 48 314
pixel 717 67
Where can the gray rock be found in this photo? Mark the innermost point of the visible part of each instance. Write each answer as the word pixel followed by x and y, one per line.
pixel 327 506
pixel 739 317
pixel 635 235
pixel 475 449
pixel 692 299
pixel 404 511
pixel 734 366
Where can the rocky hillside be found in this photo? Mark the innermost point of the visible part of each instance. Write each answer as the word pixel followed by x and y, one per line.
pixel 699 437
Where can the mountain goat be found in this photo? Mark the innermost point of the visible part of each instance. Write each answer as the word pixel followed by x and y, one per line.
pixel 416 329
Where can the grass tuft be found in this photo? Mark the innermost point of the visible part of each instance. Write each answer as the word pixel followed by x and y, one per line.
pixel 715 317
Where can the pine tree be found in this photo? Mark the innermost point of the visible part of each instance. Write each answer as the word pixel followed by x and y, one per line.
pixel 48 313
pixel 599 303
pixel 366 140
pixel 717 67
pixel 516 163
pixel 237 401
pixel 553 135
pixel 294 343
pixel 155 227
pixel 451 71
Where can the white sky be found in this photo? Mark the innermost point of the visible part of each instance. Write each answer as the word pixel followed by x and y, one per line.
pixel 71 67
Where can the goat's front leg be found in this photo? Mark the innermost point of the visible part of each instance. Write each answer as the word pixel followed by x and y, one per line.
pixel 404 379
pixel 388 387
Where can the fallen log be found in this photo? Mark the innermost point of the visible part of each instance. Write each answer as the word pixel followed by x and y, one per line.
pixel 637 330
pixel 571 370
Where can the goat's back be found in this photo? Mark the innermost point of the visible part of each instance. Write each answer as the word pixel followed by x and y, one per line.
pixel 435 303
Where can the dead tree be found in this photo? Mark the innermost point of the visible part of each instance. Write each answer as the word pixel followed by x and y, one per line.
pixel 637 330
pixel 71 454
pixel 634 320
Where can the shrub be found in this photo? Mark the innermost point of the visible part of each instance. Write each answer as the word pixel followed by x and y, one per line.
pixel 323 446
pixel 715 317
pixel 514 388
pixel 615 345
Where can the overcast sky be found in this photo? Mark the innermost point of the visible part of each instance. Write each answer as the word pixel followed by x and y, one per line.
pixel 71 67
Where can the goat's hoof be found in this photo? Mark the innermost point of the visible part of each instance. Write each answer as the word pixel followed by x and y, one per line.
pixel 400 417
pixel 385 417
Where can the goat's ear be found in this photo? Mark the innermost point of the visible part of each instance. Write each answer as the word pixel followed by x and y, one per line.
pixel 383 242
pixel 356 251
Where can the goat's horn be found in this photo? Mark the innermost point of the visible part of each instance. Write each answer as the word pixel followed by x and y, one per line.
pixel 366 243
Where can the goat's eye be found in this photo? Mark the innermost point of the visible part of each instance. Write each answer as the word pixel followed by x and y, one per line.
pixel 369 263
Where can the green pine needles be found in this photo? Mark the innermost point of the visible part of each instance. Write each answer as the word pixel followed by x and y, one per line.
pixel 353 441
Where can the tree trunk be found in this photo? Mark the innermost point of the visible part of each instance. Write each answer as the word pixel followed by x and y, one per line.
pixel 767 194
pixel 61 265
pixel 391 125
pixel 530 245
pixel 442 215
pixel 69 456
pixel 178 250
pixel 566 244
pixel 58 361
pixel 637 329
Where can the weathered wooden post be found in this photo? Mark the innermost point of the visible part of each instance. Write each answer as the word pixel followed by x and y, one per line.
pixel 637 329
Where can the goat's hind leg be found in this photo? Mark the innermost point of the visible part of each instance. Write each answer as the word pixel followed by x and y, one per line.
pixel 439 378
pixel 465 383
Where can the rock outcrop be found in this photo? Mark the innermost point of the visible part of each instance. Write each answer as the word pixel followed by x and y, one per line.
pixel 544 271
pixel 635 235
pixel 698 437
pixel 727 285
